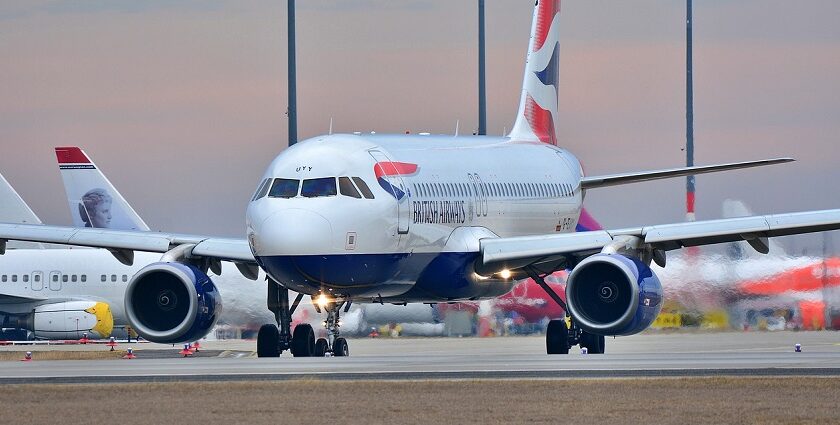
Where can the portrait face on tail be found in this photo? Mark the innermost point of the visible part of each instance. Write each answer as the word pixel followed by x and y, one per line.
pixel 95 208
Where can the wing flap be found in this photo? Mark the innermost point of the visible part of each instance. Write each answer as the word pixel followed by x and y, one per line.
pixel 518 252
pixel 678 235
pixel 224 249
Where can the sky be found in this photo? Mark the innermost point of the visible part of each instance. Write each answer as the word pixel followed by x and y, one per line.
pixel 182 103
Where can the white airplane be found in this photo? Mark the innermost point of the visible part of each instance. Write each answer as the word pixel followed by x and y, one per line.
pixel 44 292
pixel 423 219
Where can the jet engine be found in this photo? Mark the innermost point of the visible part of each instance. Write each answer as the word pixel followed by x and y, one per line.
pixel 172 303
pixel 613 295
pixel 71 320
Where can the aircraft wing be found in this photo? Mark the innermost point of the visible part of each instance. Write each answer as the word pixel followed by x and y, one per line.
pixel 518 252
pixel 122 243
pixel 7 299
pixel 591 182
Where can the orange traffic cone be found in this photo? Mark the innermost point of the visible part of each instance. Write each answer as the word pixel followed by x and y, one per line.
pixel 186 352
pixel 111 343
pixel 129 354
pixel 84 339
pixel 196 346
pixel 27 357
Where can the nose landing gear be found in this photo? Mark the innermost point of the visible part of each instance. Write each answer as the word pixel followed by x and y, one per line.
pixel 272 339
pixel 333 343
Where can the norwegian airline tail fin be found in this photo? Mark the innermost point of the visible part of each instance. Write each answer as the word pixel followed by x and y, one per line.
pixel 538 103
pixel 94 202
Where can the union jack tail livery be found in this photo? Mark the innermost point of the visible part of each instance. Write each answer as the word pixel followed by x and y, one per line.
pixel 538 103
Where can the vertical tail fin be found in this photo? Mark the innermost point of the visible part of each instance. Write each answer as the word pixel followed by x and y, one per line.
pixel 94 202
pixel 538 103
pixel 13 209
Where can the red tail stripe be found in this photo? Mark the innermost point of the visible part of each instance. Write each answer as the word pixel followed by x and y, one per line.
pixel 545 14
pixel 71 155
pixel 541 121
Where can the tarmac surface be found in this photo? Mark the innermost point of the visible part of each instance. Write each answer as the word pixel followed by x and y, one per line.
pixel 650 354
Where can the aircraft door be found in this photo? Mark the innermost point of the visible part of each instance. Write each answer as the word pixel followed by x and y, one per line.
pixel 55 281
pixel 389 178
pixel 483 195
pixel 37 279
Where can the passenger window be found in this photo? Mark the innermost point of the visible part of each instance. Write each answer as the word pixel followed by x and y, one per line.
pixel 125 278
pixel 113 278
pixel 3 278
pixel 262 190
pixel 84 278
pixel 313 188
pixel 104 278
pixel 64 278
pixel 14 278
pixel 363 187
pixel 37 278
pixel 346 188
pixel 73 278
pixel 284 188
pixel 55 278
pixel 25 278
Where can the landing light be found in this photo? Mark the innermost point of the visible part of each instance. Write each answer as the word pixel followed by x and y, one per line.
pixel 504 274
pixel 322 301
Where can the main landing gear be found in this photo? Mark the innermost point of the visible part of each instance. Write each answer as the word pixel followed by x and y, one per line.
pixel 272 339
pixel 560 336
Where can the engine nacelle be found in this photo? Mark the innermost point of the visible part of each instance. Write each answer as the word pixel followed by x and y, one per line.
pixel 613 295
pixel 172 303
pixel 72 319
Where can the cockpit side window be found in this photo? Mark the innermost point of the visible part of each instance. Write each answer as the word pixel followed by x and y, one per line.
pixel 346 188
pixel 262 190
pixel 363 187
pixel 284 188
pixel 313 188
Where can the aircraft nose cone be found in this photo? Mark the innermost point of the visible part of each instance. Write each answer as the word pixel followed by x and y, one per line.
pixel 292 232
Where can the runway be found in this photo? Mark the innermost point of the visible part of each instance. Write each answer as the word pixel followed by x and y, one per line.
pixel 653 355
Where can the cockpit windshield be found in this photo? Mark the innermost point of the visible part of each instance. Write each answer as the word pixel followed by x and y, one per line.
pixel 314 188
pixel 284 188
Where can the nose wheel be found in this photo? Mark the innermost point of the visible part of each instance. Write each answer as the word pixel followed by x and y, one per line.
pixel 333 344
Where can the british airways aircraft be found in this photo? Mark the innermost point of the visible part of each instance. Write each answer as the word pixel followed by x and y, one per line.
pixel 425 219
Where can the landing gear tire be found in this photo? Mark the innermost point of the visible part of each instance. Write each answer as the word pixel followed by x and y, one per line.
pixel 303 341
pixel 321 347
pixel 557 337
pixel 268 341
pixel 594 344
pixel 340 348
